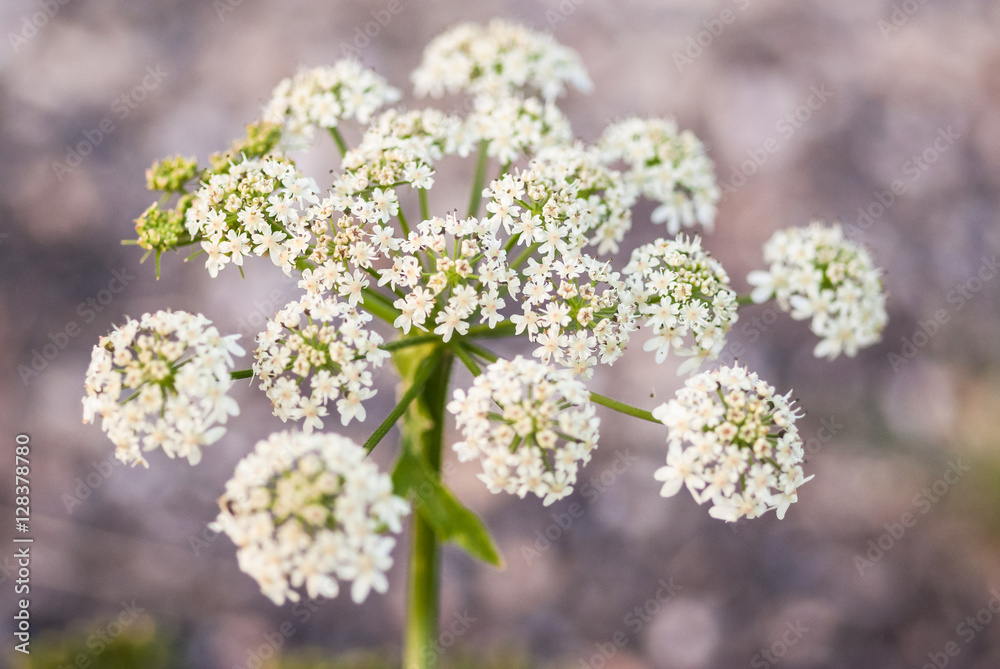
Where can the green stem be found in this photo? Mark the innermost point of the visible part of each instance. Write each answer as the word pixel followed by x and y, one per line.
pixel 743 300
pixel 483 353
pixel 423 373
pixel 479 180
pixel 423 431
pixel 241 374
pixel 412 340
pixel 463 354
pixel 424 207
pixel 378 305
pixel 525 254
pixel 403 224
pixel 621 407
pixel 502 329
pixel 341 145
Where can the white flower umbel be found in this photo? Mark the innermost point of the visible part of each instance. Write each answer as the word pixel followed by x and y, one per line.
pixel 818 274
pixel 732 441
pixel 532 427
pixel 668 167
pixel 308 510
pixel 161 382
pixel 567 199
pixel 684 295
pixel 501 58
pixel 516 127
pixel 322 97
pixel 399 147
pixel 258 206
pixel 302 367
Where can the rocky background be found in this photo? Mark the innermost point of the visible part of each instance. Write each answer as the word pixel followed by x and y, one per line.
pixel 885 115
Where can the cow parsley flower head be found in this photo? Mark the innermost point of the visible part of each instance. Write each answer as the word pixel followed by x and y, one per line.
pixel 532 427
pixel 818 274
pixel 259 206
pixel 732 441
pixel 566 200
pixel 684 295
pixel 321 97
pixel 161 382
pixel 399 147
pixel 304 367
pixel 516 126
pixel 668 167
pixel 308 510
pixel 499 59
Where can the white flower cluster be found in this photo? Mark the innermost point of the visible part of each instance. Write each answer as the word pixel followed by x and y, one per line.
pixel 466 280
pixel 335 350
pixel 573 194
pixel 397 148
pixel 684 295
pixel 516 127
pixel 499 59
pixel 732 441
pixel 668 167
pixel 309 510
pixel 261 206
pixel 161 382
pixel 530 425
pixel 323 97
pixel 817 273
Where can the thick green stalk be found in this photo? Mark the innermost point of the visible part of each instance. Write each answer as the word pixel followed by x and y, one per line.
pixel 423 433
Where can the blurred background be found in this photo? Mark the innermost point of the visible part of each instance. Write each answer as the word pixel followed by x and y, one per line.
pixel 884 115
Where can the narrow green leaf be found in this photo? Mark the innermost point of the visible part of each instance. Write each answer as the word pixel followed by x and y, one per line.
pixel 451 520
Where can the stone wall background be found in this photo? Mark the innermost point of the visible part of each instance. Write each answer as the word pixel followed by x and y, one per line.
pixel 899 76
